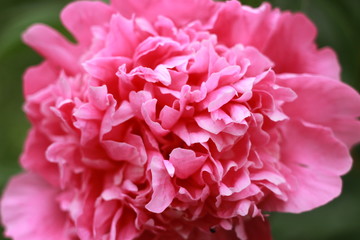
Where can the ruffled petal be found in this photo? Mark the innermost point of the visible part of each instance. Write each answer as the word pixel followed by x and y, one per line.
pixel 185 162
pixel 164 191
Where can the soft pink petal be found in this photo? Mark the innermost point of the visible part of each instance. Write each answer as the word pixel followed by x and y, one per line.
pixel 148 112
pixel 168 117
pixel 316 160
pixel 121 40
pixel 54 47
pixel 191 133
pixel 227 75
pixel 122 114
pixel 258 61
pixel 323 101
pixel 98 97
pixel 160 74
pixel 315 148
pixel 105 68
pixel 324 62
pixel 207 123
pixel 235 181
pixel 39 77
pixel 180 11
pixel 164 191
pixel 238 112
pixel 120 151
pixel 87 112
pixel 347 130
pixel 224 140
pixel 299 54
pixel 154 50
pixel 137 99
pixel 219 97
pixel 34 159
pixel 79 17
pixel 248 26
pixel 185 162
pixel 29 210
pixel 266 30
pixel 203 58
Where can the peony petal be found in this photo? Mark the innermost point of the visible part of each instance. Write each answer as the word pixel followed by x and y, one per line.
pixel 29 210
pixel 136 101
pixel 39 77
pixel 207 123
pixel 185 162
pixel 165 121
pixel 98 97
pixel 34 159
pixel 169 168
pixel 155 50
pixel 316 160
pixel 87 112
pixel 105 68
pixel 148 112
pixel 227 75
pixel 298 54
pixel 163 74
pixel 236 181
pixel 164 191
pixel 324 62
pixel 102 216
pixel 160 74
pixel 219 97
pixel 79 18
pixel 122 114
pixel 128 231
pixel 238 112
pixel 120 151
pixel 121 40
pixel 168 117
pixel 335 104
pixel 318 149
pixel 175 10
pixel 131 150
pixel 191 133
pixel 347 130
pixel 258 62
pixel 55 48
pixel 250 27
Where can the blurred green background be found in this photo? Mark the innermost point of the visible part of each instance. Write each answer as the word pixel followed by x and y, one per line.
pixel 338 23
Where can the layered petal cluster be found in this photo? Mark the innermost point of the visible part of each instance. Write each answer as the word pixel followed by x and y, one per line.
pixel 182 119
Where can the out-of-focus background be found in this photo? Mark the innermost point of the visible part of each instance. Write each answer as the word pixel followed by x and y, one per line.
pixel 338 23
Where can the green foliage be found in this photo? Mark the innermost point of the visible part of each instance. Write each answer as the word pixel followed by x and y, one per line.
pixel 338 23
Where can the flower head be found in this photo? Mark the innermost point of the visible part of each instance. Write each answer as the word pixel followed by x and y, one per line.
pixel 183 119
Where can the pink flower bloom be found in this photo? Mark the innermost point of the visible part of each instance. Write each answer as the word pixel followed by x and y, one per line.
pixel 182 119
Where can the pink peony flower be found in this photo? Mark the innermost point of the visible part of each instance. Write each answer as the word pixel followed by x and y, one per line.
pixel 178 119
